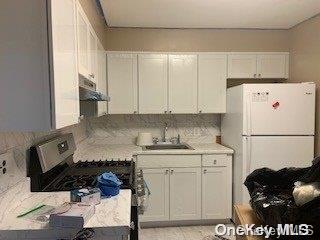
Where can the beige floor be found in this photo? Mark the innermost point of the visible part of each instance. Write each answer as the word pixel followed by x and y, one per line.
pixel 180 233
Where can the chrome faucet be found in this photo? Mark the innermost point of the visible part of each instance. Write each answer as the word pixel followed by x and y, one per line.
pixel 164 133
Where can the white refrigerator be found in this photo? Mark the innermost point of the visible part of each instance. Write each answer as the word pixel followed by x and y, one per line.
pixel 268 125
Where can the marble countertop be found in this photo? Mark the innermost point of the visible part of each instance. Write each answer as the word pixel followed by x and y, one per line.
pixel 198 148
pixel 112 216
pixel 96 149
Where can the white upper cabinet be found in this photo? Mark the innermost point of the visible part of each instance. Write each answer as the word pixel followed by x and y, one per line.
pixel 87 46
pixel 212 83
pixel 242 66
pixel 101 77
pixel 184 83
pixel 122 83
pixel 93 55
pixel 153 83
pixel 64 54
pixel 273 65
pixel 39 80
pixel 260 65
pixel 83 43
pixel 183 76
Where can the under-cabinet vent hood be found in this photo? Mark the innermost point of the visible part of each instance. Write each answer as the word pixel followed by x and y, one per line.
pixel 88 92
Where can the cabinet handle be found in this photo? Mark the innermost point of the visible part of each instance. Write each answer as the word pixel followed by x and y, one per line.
pixel 171 172
pixel 167 171
pixel 91 75
pixel 205 171
pixel 215 162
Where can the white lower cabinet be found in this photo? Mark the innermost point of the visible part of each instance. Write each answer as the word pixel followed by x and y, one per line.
pixel 214 194
pixel 185 193
pixel 197 187
pixel 158 183
pixel 216 186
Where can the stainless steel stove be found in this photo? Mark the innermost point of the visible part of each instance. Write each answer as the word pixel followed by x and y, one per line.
pixel 51 168
pixel 84 174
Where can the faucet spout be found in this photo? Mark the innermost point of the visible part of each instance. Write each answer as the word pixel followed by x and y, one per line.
pixel 164 133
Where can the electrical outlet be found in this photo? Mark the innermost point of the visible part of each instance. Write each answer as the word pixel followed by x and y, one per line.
pixel 10 174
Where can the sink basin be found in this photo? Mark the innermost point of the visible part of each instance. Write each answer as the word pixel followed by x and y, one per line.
pixel 183 146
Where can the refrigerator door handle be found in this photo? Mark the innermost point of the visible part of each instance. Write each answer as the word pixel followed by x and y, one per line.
pixel 248 153
pixel 248 114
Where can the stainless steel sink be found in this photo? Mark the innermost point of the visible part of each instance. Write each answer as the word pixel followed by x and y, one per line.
pixel 183 146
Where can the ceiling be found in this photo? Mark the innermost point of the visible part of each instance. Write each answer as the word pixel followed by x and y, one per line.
pixel 262 14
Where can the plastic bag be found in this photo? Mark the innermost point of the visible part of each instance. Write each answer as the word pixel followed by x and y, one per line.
pixel 305 192
pixel 272 198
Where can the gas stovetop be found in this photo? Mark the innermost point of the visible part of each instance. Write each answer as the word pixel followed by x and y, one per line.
pixel 84 174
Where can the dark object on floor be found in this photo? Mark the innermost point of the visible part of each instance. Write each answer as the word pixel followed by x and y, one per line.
pixel 272 199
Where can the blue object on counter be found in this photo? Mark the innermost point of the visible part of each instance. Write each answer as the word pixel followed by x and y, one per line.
pixel 109 184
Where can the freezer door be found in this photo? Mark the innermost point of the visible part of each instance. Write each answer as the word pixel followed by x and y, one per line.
pixel 279 109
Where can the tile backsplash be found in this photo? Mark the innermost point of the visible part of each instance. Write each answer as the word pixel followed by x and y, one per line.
pixel 124 129
pixel 15 145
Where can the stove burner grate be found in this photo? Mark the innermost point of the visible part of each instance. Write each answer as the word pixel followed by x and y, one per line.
pixel 99 164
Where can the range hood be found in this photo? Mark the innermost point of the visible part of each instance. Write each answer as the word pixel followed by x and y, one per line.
pixel 88 91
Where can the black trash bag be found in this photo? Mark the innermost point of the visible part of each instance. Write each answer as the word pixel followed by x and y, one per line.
pixel 273 202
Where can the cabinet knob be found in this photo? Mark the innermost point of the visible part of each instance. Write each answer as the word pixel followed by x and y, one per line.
pixel 200 111
pixel 205 171
pixel 167 171
pixel 215 162
pixel 259 74
pixel 255 75
pixel 135 112
pixel 91 75
pixel 170 111
pixel 165 112
pixel 171 172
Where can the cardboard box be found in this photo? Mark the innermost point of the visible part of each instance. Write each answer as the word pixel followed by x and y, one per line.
pixel 245 215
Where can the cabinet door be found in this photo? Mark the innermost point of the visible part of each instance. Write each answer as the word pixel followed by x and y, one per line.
pixel 158 183
pixel 216 193
pixel 64 56
pixel 242 66
pixel 93 53
pixel 183 83
pixel 272 66
pixel 122 83
pixel 102 78
pixel 83 42
pixel 185 193
pixel 212 85
pixel 153 83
